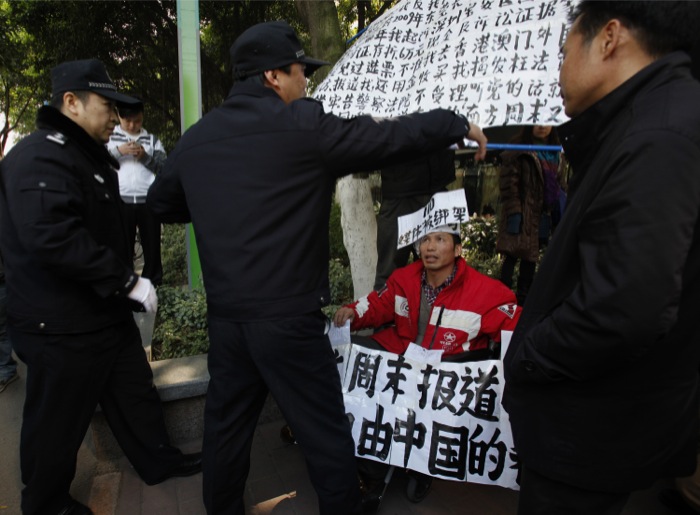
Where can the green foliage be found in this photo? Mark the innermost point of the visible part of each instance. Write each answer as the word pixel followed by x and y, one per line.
pixel 341 285
pixel 174 255
pixel 181 323
pixel 341 282
pixel 479 235
pixel 137 41
pixel 348 14
pixel 18 78
pixel 486 264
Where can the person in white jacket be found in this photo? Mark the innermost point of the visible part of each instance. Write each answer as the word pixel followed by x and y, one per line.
pixel 141 156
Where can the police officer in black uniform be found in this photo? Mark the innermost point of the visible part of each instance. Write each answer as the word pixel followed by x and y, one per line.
pixel 256 178
pixel 71 289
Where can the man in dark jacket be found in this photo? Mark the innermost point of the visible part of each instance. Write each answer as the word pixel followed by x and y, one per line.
pixel 71 289
pixel 256 177
pixel 602 370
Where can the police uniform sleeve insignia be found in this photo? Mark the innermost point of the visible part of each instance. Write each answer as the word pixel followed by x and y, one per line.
pixel 57 137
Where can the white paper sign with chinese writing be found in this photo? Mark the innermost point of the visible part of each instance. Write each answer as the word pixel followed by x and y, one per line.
pixel 442 419
pixel 495 61
pixel 447 207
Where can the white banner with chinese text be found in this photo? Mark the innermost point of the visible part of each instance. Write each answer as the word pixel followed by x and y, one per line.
pixel 442 419
pixel 495 61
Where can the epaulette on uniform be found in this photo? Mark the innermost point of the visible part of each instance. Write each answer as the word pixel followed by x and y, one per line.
pixel 57 137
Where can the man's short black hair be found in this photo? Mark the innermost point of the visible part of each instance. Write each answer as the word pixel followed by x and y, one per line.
pixel 259 78
pixel 127 111
pixel 660 27
pixel 57 99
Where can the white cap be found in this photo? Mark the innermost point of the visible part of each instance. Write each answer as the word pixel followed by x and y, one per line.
pixel 448 228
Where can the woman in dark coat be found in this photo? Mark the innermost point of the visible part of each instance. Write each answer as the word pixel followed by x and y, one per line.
pixel 529 195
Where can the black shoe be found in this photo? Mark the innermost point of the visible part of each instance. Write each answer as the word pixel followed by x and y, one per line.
pixel 75 508
pixel 674 501
pixel 418 486
pixel 190 465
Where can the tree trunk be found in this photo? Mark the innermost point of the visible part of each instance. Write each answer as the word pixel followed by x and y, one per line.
pixel 352 193
pixel 321 19
pixel 359 231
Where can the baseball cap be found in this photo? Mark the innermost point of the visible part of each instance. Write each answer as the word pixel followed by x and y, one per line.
pixel 86 75
pixel 267 46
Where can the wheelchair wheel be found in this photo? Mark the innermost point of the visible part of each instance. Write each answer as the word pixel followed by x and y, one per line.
pixel 418 487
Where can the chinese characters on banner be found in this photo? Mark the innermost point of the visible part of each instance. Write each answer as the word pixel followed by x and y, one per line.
pixel 442 419
pixel 495 61
pixel 448 207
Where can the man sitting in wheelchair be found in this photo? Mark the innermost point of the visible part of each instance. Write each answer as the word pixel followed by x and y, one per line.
pixel 439 302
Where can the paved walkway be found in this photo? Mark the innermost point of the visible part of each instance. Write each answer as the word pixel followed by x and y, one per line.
pixel 278 482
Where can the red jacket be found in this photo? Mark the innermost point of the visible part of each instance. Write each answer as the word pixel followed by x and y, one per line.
pixel 477 308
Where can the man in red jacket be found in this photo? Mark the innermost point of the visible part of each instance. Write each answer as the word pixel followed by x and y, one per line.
pixel 439 302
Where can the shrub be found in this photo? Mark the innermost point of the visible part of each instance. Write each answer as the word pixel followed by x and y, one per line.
pixel 479 235
pixel 174 255
pixel 181 323
pixel 341 285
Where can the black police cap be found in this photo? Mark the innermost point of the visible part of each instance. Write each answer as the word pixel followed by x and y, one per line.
pixel 86 75
pixel 267 46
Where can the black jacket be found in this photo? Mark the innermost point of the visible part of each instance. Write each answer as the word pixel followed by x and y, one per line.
pixel 62 235
pixel 426 175
pixel 256 177
pixel 602 371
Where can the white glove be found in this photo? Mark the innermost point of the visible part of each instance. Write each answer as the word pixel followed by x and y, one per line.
pixel 145 294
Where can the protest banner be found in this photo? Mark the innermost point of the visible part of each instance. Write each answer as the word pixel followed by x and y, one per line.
pixel 447 207
pixel 495 61
pixel 441 419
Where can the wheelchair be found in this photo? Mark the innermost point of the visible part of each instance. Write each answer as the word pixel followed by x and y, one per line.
pixel 417 484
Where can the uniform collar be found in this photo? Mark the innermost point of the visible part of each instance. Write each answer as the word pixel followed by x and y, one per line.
pixel 50 118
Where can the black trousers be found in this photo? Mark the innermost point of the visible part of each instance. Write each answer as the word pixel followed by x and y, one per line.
pixel 525 276
pixel 293 360
pixel 138 215
pixel 540 495
pixel 67 376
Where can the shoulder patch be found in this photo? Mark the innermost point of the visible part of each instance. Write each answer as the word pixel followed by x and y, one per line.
pixel 57 137
pixel 508 310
